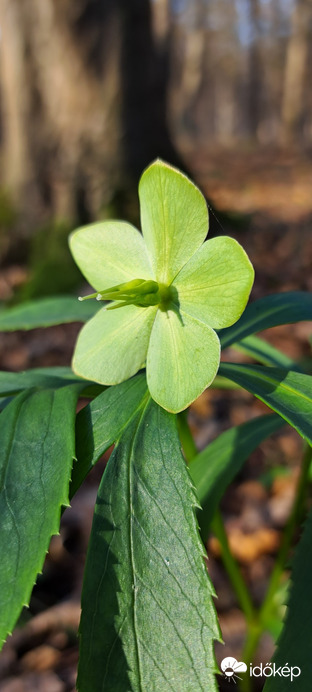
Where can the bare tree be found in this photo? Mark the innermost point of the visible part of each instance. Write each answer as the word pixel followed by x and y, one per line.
pixel 295 69
pixel 83 88
pixel 255 68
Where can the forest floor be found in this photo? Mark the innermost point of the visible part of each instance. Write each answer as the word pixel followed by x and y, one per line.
pixel 264 200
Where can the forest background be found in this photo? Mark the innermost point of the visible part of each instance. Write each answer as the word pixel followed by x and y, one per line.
pixel 91 92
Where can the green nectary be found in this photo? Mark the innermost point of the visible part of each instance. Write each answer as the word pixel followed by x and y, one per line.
pixel 137 292
pixel 174 288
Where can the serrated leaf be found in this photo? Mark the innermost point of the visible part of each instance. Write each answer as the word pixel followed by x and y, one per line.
pixel 148 621
pixel 101 423
pixel 286 392
pixel 280 308
pixel 213 469
pixel 53 377
pixel 46 312
pixel 36 454
pixel 295 642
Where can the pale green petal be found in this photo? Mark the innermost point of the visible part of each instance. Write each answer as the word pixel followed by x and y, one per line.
pixel 110 253
pixel 174 219
pixel 214 285
pixel 182 360
pixel 112 346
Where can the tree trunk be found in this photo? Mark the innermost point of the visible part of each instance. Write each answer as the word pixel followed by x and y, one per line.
pixel 255 70
pixel 145 74
pixel 84 102
pixel 295 70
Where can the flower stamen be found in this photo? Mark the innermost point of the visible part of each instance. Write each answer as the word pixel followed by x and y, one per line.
pixel 140 292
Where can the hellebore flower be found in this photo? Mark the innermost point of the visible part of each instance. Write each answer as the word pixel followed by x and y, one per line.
pixel 172 288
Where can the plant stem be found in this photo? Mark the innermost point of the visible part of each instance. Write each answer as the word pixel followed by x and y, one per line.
pixel 292 523
pixel 186 437
pixel 232 568
pixel 256 620
pixel 256 629
pixel 218 528
pixel 253 635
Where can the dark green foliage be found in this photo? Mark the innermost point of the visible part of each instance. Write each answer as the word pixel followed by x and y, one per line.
pixel 148 620
pixel 215 467
pixel 265 353
pixel 288 393
pixel 14 382
pixel 36 455
pixel 102 422
pixel 46 312
pixel 280 308
pixel 295 643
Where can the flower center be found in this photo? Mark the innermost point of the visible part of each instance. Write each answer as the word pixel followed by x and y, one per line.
pixel 141 292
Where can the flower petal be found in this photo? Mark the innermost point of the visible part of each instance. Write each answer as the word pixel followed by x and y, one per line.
pixel 112 346
pixel 110 253
pixel 214 285
pixel 174 219
pixel 182 360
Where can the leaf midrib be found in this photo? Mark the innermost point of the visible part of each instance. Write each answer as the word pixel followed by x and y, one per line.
pixel 3 488
pixel 131 543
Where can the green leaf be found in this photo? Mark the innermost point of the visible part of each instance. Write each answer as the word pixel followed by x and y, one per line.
pixel 46 312
pixel 295 642
pixel 54 377
pixel 36 455
pixel 287 393
pixel 280 308
pixel 213 469
pixel 214 285
pixel 182 359
pixel 174 219
pixel 110 253
pixel 4 401
pixel 265 353
pixel 101 423
pixel 148 621
pixel 223 383
pixel 113 345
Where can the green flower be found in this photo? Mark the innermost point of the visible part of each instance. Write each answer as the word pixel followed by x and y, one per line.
pixel 173 289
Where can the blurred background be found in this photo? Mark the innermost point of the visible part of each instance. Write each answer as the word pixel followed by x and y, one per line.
pixel 91 91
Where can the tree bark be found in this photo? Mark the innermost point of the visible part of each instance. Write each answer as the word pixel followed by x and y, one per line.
pixel 255 70
pixel 145 71
pixel 295 70
pixel 60 90
pixel 84 102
